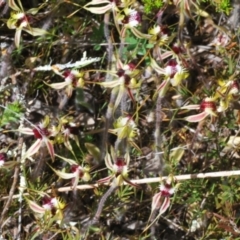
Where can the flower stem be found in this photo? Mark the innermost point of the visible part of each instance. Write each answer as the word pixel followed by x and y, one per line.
pixel 108 122
pixel 157 134
pixel 109 44
pixel 102 202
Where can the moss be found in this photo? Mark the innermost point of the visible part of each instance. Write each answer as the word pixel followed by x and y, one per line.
pixel 150 5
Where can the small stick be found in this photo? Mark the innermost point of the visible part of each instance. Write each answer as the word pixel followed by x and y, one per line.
pixel 158 179
pixel 149 180
pixel 13 187
pixel 157 134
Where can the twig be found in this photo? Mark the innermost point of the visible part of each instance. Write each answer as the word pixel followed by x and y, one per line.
pixel 22 180
pixel 148 180
pixel 11 192
pixel 109 46
pixel 158 179
pixel 157 134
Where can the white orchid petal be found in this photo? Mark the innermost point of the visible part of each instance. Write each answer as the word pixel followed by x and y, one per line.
pixel 35 207
pixel 64 175
pixel 191 107
pixel 197 118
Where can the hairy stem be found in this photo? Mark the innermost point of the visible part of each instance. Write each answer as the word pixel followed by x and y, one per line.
pixel 157 133
pixel 109 45
pixel 22 185
pixel 102 202
pixel 108 121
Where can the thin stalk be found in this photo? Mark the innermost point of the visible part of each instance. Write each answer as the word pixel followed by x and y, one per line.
pixel 158 179
pixel 146 181
pixel 121 146
pixel 108 121
pixel 22 184
pixel 153 227
pixel 123 36
pixel 11 193
pixel 110 110
pixel 157 134
pixel 109 44
pixel 102 202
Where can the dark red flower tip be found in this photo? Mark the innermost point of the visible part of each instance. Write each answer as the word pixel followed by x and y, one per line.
pixel 125 20
pixel 166 193
pixel 164 30
pixel 3 157
pixel 71 76
pixel 25 18
pixel 207 104
pixel 75 168
pixel 134 16
pixel 172 63
pixel 72 129
pixel 39 133
pixel 120 162
pixel 46 200
pixel 67 73
pixel 167 190
pixel 131 66
pixel 177 49
pixel 120 72
pixel 172 67
pixel 235 85
pixel 137 16
pixel 127 79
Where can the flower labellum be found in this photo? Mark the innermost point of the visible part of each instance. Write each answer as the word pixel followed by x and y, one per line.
pixel 208 108
pixel 132 18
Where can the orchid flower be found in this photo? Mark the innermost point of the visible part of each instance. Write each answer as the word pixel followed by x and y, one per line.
pixel 70 130
pixel 72 79
pixel 20 20
pixel 65 130
pixel 174 74
pixel 159 35
pixel 52 205
pixel 125 127
pixel 42 133
pixel 161 200
pixel 77 172
pixel 221 41
pixel 207 107
pixel 125 82
pixel 227 92
pixel 130 20
pixel 119 169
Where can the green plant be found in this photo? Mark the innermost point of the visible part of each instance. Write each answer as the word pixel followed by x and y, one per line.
pixel 151 5
pixel 12 113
